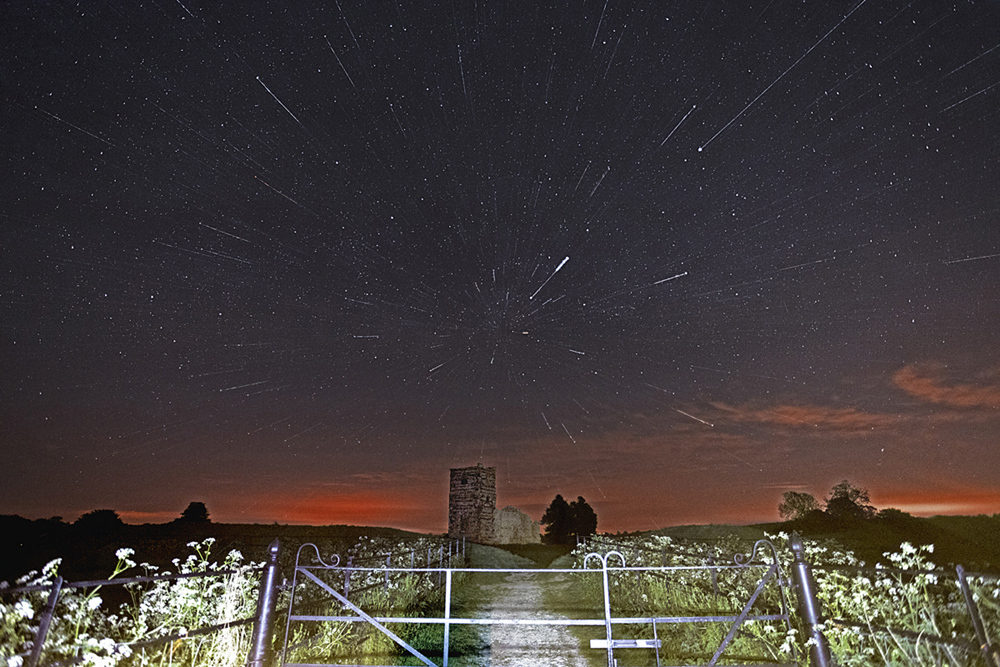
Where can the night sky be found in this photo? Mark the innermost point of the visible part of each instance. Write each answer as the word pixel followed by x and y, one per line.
pixel 298 259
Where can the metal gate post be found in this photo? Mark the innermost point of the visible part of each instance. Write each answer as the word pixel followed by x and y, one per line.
pixel 388 564
pixel 992 656
pixel 715 573
pixel 267 598
pixel 607 597
pixel 447 615
pixel 808 606
pixel 44 622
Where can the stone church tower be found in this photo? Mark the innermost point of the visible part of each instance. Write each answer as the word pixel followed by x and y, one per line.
pixel 472 502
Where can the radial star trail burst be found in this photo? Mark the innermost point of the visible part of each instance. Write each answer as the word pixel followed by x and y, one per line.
pixel 280 257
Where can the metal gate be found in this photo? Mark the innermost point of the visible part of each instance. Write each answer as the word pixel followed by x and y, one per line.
pixel 320 575
pixel 771 575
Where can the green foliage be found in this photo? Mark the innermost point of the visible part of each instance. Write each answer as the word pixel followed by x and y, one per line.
pixel 405 595
pixel 914 603
pixel 542 555
pixel 847 501
pixel 795 505
pixel 886 616
pixel 694 589
pixel 893 515
pixel 87 631
pixel 84 631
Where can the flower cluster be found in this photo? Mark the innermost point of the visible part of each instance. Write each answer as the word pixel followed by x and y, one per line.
pixel 83 631
pixel 363 575
pixel 906 613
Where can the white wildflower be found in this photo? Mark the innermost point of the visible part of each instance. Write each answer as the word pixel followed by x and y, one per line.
pixel 23 609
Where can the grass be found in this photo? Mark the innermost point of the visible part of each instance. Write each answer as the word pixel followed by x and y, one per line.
pixel 542 555
pixel 972 541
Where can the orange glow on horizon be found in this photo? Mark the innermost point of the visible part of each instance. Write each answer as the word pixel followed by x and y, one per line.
pixel 425 509
pixel 962 502
pixel 382 508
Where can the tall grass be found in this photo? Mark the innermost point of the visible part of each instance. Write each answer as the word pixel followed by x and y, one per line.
pixel 156 624
pixel 84 631
pixel 906 614
pixel 692 590
pixel 413 594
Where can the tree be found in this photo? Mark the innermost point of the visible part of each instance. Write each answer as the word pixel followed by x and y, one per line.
pixel 565 522
pixel 849 501
pixel 99 521
pixel 795 505
pixel 195 513
pixel 893 515
pixel 556 521
pixel 583 519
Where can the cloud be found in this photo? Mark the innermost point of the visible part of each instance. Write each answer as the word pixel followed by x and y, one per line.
pixel 958 395
pixel 807 416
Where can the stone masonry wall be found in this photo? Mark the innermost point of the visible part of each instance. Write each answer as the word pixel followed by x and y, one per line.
pixel 512 526
pixel 472 501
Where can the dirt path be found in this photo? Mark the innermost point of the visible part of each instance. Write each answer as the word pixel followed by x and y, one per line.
pixel 523 596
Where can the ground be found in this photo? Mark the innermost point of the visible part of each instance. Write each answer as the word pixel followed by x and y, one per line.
pixel 541 595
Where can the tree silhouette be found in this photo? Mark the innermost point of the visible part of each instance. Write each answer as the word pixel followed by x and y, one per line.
pixel 847 501
pixel 556 521
pixel 564 522
pixel 584 519
pixel 99 521
pixel 795 505
pixel 195 513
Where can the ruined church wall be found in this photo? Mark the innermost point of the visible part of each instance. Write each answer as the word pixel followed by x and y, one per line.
pixel 512 526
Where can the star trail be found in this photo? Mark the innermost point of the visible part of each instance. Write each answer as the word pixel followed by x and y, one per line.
pixel 295 260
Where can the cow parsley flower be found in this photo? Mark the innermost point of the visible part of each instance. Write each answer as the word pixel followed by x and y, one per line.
pixel 23 609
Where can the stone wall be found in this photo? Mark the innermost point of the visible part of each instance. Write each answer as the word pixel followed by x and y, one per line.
pixel 472 501
pixel 512 526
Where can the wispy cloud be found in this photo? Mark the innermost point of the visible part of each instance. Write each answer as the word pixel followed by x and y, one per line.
pixel 929 388
pixel 807 417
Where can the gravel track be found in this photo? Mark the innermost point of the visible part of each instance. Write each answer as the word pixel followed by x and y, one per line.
pixel 521 596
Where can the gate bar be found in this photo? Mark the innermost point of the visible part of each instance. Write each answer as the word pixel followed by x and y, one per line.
pixel 386 631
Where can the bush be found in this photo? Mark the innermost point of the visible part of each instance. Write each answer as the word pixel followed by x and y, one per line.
pixel 84 632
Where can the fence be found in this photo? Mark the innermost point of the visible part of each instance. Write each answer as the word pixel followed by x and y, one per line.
pixel 437 569
pixel 328 576
pixel 263 619
pixel 963 647
pixel 887 578
pixel 58 587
